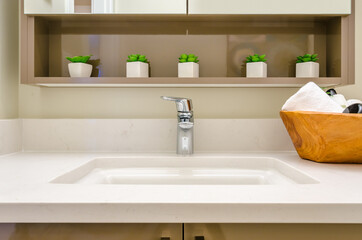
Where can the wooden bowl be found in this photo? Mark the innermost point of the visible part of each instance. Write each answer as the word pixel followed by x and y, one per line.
pixel 325 137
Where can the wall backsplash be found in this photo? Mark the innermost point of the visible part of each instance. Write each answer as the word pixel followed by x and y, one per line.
pixel 10 136
pixel 153 135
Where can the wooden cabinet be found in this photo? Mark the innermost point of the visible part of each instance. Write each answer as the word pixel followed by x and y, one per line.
pixel 287 7
pixel 105 6
pixel 48 6
pixel 221 41
pixel 273 231
pixel 165 231
pixel 55 231
pixel 320 7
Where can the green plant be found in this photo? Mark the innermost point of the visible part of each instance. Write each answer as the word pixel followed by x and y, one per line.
pixel 307 58
pixel 255 58
pixel 79 59
pixel 137 58
pixel 188 58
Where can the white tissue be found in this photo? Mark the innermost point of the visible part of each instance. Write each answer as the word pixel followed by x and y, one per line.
pixel 340 99
pixel 311 98
pixel 353 101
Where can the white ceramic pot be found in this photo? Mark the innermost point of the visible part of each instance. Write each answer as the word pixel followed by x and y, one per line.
pixel 307 70
pixel 80 69
pixel 137 69
pixel 256 70
pixel 188 70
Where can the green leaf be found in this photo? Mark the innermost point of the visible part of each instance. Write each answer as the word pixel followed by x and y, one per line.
pixel 307 59
pixel 184 56
pixel 307 56
pixel 314 55
pixel 262 56
pixel 188 58
pixel 79 59
pixel 255 59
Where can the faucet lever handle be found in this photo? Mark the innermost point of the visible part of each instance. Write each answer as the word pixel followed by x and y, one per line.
pixel 182 104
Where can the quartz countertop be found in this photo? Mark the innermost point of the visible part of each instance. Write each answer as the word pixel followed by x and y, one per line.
pixel 26 194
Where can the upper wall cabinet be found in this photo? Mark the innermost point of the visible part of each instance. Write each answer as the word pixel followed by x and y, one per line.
pixel 105 6
pixel 150 6
pixel 322 7
pixel 48 6
pixel 222 33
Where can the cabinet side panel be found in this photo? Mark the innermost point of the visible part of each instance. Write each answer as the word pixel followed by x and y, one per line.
pixel 23 45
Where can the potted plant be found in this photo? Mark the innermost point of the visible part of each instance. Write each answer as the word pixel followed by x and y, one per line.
pixel 79 66
pixel 307 66
pixel 256 66
pixel 137 66
pixel 188 66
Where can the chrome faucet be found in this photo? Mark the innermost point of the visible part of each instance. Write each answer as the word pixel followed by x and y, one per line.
pixel 185 125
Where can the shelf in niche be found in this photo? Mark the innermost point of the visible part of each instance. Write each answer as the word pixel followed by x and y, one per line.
pixel 206 82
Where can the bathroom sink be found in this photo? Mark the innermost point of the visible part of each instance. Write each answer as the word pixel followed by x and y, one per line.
pixel 186 171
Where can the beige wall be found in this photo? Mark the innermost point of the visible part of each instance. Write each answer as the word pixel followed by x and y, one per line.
pixel 8 59
pixel 38 102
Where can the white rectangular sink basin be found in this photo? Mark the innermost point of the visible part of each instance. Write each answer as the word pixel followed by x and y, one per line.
pixel 186 171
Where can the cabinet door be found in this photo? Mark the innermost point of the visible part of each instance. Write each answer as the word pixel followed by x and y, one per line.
pixel 48 6
pixel 150 6
pixel 272 231
pixel 339 7
pixel 56 231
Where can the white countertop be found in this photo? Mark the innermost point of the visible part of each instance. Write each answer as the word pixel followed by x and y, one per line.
pixel 27 196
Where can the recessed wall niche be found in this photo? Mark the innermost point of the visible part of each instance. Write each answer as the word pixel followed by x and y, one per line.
pixel 221 45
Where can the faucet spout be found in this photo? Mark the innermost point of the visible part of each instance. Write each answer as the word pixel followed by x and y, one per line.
pixel 185 126
pixel 185 138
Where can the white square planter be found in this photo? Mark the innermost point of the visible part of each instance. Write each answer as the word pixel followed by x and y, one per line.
pixel 137 69
pixel 307 70
pixel 188 70
pixel 256 70
pixel 80 69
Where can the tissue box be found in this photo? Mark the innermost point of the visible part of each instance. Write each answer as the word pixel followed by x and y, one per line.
pixel 325 137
